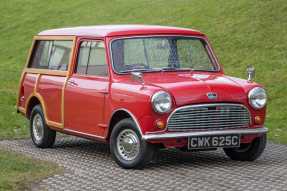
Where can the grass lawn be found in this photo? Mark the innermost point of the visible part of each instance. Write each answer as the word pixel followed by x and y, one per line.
pixel 242 32
pixel 18 172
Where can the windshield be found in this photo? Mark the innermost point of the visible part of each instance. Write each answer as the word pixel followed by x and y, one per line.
pixel 160 54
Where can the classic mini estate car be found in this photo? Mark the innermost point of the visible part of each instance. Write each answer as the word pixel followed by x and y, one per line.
pixel 139 88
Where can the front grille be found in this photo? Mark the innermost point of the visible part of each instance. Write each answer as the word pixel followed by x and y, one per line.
pixel 209 116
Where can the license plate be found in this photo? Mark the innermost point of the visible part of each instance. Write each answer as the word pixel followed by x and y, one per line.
pixel 202 142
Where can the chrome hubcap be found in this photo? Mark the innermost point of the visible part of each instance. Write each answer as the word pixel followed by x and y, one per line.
pixel 128 144
pixel 38 127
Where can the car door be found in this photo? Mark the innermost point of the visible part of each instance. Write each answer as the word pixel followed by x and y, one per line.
pixel 86 90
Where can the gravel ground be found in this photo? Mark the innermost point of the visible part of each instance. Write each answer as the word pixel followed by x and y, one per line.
pixel 88 166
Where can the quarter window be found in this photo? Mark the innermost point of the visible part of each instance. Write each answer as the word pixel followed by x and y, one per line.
pixel 52 55
pixel 92 59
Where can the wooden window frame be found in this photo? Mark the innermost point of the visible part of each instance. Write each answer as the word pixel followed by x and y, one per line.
pixel 49 71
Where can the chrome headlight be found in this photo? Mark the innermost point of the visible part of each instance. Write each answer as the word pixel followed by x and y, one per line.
pixel 257 97
pixel 161 102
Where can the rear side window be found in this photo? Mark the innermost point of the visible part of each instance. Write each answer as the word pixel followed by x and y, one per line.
pixel 51 54
pixel 92 59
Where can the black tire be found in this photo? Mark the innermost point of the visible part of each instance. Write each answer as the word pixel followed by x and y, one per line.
pixel 143 156
pixel 46 138
pixel 247 152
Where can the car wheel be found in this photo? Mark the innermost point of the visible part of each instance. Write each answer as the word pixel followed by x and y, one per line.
pixel 127 147
pixel 247 152
pixel 42 136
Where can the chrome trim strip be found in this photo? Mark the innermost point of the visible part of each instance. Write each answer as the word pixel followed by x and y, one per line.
pixel 246 131
pixel 81 133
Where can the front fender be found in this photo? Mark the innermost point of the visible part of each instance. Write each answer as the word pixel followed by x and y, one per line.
pixel 135 99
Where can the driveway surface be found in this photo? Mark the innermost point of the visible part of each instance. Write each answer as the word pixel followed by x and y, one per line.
pixel 88 166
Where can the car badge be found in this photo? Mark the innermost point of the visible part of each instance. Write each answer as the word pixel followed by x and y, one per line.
pixel 211 95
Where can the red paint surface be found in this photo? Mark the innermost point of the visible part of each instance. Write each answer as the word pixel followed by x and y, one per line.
pixel 85 104
pixel 27 87
pixel 50 89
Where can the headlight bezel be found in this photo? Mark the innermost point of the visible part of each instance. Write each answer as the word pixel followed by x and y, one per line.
pixel 155 98
pixel 260 93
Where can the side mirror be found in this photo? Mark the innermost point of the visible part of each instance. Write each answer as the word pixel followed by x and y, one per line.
pixel 250 73
pixel 138 76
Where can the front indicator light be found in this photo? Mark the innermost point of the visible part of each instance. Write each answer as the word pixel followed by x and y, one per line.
pixel 257 120
pixel 160 124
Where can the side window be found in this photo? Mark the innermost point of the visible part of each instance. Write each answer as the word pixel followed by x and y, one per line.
pixel 60 55
pixel 83 57
pixel 40 56
pixel 92 59
pixel 53 55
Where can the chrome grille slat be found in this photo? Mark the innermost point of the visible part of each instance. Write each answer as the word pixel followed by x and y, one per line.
pixel 204 122
pixel 213 127
pixel 223 117
pixel 209 114
pixel 213 116
pixel 209 111
pixel 206 113
pixel 207 125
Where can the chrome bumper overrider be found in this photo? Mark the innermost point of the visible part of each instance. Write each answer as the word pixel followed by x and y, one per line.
pixel 248 131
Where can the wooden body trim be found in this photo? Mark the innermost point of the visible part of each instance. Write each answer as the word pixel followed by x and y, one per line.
pixel 45 71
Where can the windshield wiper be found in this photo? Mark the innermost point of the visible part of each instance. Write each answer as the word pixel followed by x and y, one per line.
pixel 175 69
pixel 157 69
pixel 140 70
pixel 168 69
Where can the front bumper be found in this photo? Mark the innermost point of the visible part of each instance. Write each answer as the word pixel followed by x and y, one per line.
pixel 170 135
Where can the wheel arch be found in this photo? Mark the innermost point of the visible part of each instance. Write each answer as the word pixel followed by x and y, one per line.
pixel 118 115
pixel 32 101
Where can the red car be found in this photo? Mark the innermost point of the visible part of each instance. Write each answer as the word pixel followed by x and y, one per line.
pixel 139 88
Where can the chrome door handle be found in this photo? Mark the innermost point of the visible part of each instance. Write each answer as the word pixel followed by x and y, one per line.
pixel 72 83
